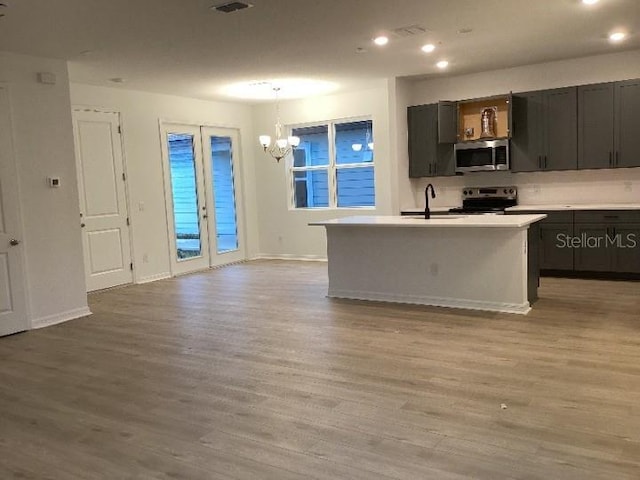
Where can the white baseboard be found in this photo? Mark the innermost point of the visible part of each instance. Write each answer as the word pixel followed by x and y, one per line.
pixel 301 258
pixel 522 309
pixel 154 278
pixel 56 318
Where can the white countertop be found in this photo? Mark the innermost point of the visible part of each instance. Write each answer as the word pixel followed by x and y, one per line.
pixel 575 206
pixel 449 221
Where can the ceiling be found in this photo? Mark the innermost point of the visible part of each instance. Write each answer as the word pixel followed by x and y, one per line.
pixel 183 47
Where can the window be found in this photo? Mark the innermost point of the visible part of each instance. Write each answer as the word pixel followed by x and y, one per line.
pixel 333 166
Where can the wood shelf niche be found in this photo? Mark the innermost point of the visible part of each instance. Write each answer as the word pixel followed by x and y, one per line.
pixel 470 117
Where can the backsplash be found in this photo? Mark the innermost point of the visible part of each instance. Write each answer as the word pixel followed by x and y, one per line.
pixel 539 188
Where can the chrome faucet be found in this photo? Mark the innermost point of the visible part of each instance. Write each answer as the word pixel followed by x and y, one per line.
pixel 427 212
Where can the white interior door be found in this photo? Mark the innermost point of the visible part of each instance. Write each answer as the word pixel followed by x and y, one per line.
pixel 13 312
pixel 103 199
pixel 185 198
pixel 224 193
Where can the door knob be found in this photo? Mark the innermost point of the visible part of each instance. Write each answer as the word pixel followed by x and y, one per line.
pixel 82 225
pixel 13 242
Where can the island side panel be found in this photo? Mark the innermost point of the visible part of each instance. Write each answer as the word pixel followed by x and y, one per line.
pixel 479 268
pixel 533 262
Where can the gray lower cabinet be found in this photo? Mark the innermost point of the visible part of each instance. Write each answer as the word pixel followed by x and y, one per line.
pixel 427 157
pixel 555 254
pixel 545 130
pixel 608 125
pixel 626 254
pixel 555 232
pixel 609 241
pixel 592 254
pixel 600 241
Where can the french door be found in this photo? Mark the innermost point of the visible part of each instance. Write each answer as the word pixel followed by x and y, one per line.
pixel 203 191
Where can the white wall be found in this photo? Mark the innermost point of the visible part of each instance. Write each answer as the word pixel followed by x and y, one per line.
pixel 43 143
pixel 400 91
pixel 607 186
pixel 141 113
pixel 285 231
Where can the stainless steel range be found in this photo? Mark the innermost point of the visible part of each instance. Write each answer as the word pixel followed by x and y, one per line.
pixel 487 200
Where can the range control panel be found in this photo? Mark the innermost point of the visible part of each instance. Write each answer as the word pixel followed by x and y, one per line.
pixel 508 193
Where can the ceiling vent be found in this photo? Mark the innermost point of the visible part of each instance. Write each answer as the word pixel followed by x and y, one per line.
pixel 409 31
pixel 231 7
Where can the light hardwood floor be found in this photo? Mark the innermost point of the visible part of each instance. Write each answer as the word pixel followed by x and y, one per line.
pixel 250 372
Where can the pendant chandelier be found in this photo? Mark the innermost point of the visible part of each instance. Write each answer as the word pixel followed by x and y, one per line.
pixel 281 147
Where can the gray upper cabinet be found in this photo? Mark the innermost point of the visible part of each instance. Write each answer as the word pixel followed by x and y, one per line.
pixel 421 150
pixel 595 126
pixel 608 131
pixel 545 130
pixel 526 140
pixel 447 122
pixel 427 157
pixel 561 129
pixel 627 95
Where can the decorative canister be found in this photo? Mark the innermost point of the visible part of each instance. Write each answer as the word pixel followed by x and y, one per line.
pixel 488 122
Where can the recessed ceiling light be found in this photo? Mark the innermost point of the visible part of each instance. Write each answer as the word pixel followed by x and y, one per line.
pixel 617 36
pixel 381 40
pixel 590 2
pixel 428 48
pixel 117 80
pixel 442 64
pixel 464 31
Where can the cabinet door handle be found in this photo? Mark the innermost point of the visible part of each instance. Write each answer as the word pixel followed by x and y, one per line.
pixel 617 158
pixel 430 169
pixel 545 162
pixel 435 169
pixel 611 159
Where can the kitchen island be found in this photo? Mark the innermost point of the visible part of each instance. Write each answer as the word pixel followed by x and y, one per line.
pixel 482 262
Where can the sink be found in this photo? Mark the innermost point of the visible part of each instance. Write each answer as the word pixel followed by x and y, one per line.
pixel 436 217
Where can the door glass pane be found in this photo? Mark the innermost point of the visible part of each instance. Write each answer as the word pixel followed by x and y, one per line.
pixel 354 142
pixel 224 194
pixel 185 198
pixel 311 188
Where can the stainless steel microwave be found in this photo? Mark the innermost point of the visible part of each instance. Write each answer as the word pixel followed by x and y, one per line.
pixel 482 156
